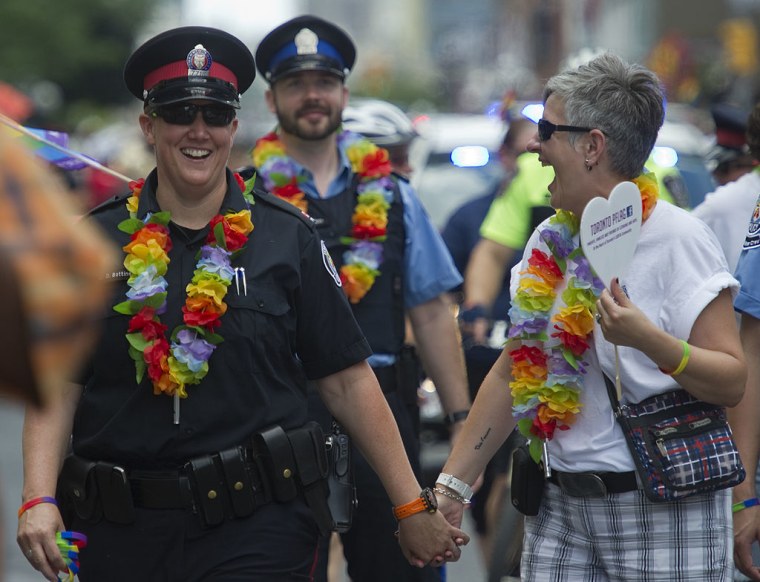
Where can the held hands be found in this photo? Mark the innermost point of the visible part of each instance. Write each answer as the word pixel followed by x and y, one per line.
pixel 36 538
pixel 746 532
pixel 451 509
pixel 427 538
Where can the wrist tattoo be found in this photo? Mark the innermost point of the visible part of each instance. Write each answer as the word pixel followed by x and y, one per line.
pixel 483 439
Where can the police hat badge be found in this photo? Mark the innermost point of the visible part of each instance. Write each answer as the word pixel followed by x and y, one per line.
pixel 302 44
pixel 192 62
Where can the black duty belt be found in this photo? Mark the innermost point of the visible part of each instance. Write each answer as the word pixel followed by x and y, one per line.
pixel 160 490
pixel 233 483
pixel 174 490
pixel 594 484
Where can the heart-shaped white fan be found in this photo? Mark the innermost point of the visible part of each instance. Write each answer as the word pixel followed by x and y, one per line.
pixel 610 230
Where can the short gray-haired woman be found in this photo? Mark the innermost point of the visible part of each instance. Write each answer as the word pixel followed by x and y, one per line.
pixel 670 311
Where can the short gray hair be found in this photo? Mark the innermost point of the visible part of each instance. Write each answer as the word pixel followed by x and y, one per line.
pixel 625 101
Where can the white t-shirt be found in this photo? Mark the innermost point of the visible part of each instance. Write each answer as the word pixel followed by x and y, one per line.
pixel 728 210
pixel 677 270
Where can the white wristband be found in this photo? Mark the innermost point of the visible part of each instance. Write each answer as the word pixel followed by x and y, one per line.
pixel 455 484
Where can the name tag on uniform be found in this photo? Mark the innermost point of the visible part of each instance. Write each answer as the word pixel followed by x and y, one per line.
pixel 116 276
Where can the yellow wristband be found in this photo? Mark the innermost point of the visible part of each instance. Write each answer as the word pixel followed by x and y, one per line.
pixel 682 363
pixel 684 359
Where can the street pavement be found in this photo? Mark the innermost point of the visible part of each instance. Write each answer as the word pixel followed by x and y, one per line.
pixel 17 569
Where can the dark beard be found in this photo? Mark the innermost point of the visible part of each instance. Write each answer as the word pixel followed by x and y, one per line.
pixel 289 124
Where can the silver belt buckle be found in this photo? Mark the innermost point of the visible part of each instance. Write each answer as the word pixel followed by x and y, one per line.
pixel 582 484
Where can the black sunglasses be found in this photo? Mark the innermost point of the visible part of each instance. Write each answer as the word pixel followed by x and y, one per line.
pixel 184 114
pixel 547 128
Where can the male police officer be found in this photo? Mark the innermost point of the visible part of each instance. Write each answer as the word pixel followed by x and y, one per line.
pixel 205 467
pixel 391 259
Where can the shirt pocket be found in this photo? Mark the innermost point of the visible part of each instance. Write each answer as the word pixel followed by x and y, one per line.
pixel 259 321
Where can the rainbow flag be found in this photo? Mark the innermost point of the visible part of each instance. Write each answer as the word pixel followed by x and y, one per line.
pixel 53 147
pixel 58 156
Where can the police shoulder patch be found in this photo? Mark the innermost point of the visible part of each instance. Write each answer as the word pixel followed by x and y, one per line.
pixel 752 241
pixel 329 265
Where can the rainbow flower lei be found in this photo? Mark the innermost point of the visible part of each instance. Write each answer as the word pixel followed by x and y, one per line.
pixel 362 260
pixel 184 361
pixel 548 366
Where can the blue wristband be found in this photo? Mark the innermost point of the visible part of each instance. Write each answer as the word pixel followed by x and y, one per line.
pixel 751 502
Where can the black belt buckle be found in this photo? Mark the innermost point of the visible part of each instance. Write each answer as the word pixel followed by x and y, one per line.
pixel 582 484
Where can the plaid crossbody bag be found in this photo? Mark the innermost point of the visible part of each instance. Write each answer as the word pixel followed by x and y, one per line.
pixel 681 446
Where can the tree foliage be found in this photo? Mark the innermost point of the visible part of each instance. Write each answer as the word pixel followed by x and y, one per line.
pixel 80 45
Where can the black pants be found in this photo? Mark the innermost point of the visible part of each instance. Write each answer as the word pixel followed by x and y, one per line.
pixel 372 551
pixel 277 543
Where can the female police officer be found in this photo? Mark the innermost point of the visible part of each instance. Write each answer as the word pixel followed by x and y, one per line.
pixel 227 305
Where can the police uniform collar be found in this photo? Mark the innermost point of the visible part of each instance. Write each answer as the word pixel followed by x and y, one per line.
pixel 233 197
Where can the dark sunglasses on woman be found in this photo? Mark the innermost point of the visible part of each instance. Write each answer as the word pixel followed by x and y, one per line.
pixel 214 115
pixel 546 129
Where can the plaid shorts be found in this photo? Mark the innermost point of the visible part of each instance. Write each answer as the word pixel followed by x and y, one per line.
pixel 626 537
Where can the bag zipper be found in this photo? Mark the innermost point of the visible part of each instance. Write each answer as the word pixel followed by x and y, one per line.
pixel 691 428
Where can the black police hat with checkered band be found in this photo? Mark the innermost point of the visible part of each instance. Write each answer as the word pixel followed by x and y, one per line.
pixel 192 62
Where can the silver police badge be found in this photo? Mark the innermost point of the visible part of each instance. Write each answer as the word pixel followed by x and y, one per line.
pixel 306 42
pixel 198 62
pixel 329 265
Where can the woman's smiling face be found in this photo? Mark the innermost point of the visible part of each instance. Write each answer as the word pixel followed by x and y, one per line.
pixel 190 155
pixel 565 158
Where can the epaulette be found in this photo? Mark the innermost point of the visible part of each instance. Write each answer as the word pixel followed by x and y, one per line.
pixel 109 203
pixel 280 204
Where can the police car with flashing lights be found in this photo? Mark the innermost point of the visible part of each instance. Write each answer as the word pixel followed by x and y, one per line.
pixel 454 160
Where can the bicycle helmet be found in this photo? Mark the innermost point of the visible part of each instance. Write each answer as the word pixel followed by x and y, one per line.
pixel 381 122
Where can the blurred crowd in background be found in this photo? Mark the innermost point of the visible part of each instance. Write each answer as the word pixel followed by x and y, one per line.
pixel 460 71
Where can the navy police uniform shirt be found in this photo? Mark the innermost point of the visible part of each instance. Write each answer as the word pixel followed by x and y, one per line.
pixel 290 321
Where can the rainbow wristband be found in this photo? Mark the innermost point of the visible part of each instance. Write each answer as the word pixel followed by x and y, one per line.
pixel 682 363
pixel 36 501
pixel 751 502
pixel 69 543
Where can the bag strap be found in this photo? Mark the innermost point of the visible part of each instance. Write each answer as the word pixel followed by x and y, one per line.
pixel 612 393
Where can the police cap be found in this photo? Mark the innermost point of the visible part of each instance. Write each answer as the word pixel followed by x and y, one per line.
pixel 192 62
pixel 305 43
pixel 730 134
pixel 730 125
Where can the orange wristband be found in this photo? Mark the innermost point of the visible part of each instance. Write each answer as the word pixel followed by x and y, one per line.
pixel 425 502
pixel 36 501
